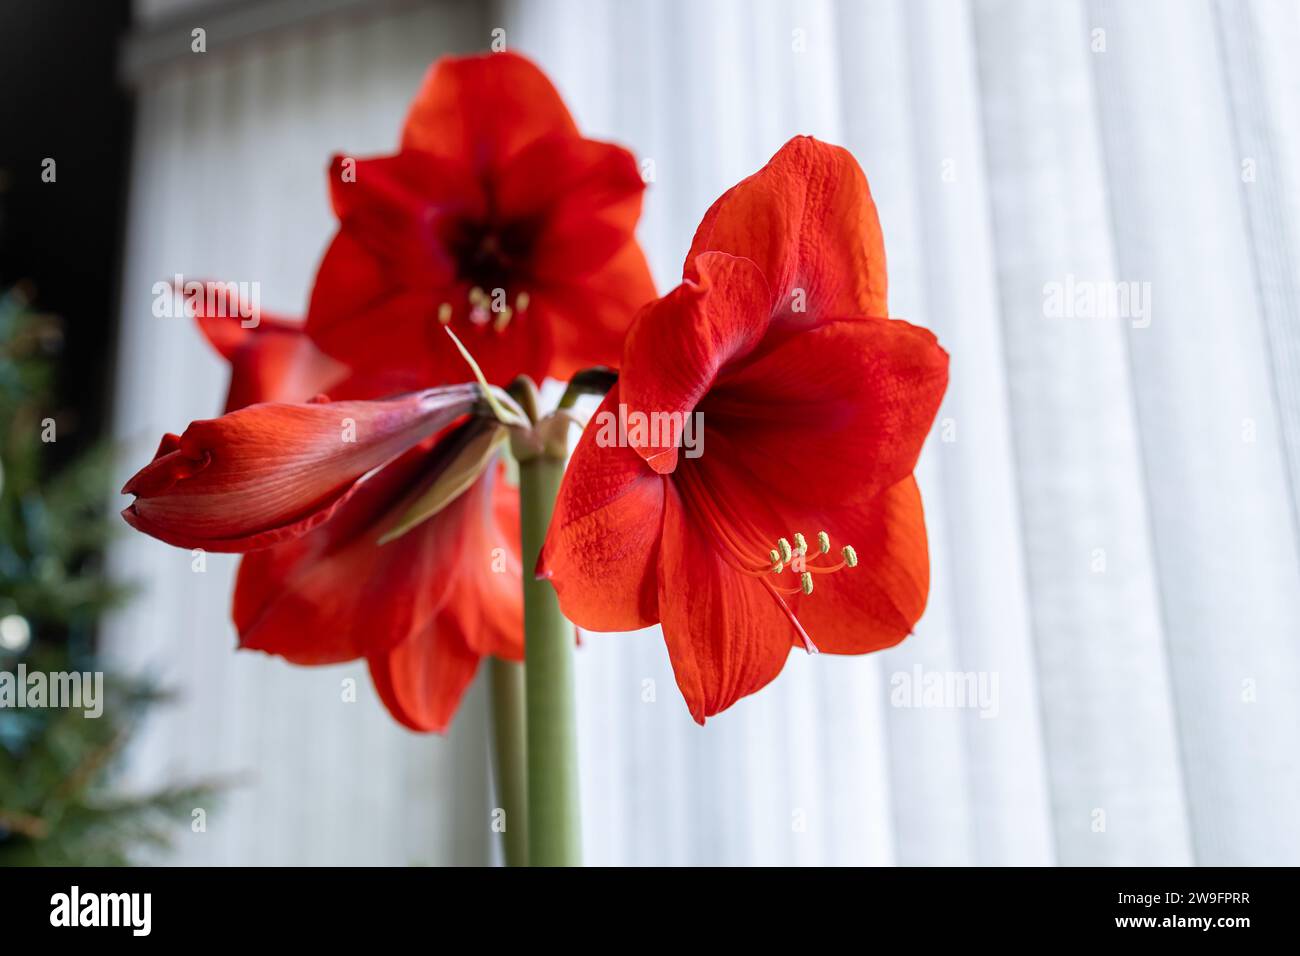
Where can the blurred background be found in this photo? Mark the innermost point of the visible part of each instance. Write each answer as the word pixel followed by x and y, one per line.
pixel 1112 488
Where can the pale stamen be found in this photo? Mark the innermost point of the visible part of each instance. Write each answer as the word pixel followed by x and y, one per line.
pixel 784 555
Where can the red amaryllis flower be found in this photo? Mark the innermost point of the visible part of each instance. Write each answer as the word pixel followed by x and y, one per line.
pixel 496 218
pixel 792 518
pixel 335 501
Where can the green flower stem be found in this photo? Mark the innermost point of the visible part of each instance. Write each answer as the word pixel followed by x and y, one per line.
pixel 554 836
pixel 509 744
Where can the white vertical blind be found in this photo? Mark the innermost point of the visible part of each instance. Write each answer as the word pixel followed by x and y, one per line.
pixel 1112 508
pixel 983 563
pixel 1215 467
pixel 1108 719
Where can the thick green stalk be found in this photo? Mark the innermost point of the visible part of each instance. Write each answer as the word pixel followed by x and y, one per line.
pixel 510 747
pixel 554 837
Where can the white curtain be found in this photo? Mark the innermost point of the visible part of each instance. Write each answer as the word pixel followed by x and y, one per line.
pixel 1113 502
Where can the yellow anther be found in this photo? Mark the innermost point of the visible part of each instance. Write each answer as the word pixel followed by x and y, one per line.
pixel 477 295
pixel 503 318
pixel 521 302
pixel 444 313
pixel 784 546
pixel 775 557
pixel 805 580
pixel 850 556
pixel 800 543
pixel 823 541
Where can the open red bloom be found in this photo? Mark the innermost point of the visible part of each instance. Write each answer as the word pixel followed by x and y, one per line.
pixel 814 408
pixel 496 218
pixel 310 489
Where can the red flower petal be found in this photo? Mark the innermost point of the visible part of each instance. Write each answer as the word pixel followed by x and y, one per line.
pixel 584 196
pixel 271 472
pixel 828 412
pixel 481 555
pixel 601 548
pixel 315 599
pixel 524 348
pixel 807 219
pixel 422 680
pixel 589 318
pixel 383 324
pixel 876 604
pixel 365 316
pixel 273 361
pixel 484 108
pixel 726 634
pixel 336 594
pixel 375 299
pixel 678 345
pixel 393 205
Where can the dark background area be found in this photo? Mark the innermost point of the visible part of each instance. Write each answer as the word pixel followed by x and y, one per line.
pixel 60 98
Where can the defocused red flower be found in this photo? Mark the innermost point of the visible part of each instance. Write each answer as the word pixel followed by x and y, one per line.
pixel 497 218
pixel 814 409
pixel 271 358
pixel 310 489
pixel 422 609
